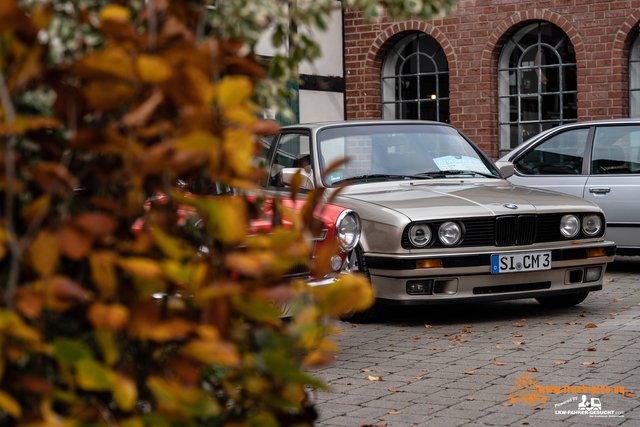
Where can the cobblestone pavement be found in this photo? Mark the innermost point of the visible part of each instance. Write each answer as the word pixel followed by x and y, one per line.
pixel 457 365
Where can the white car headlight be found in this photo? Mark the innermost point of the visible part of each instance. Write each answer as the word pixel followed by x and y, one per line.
pixel 420 235
pixel 450 233
pixel 591 224
pixel 569 226
pixel 348 230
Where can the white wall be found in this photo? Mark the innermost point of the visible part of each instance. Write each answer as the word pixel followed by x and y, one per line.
pixel 316 106
pixel 330 63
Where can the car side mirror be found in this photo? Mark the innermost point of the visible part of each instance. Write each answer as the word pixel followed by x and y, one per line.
pixel 307 177
pixel 506 168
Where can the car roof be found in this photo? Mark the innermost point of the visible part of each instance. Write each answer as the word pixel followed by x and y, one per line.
pixel 338 123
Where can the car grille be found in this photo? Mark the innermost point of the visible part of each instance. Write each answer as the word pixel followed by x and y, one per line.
pixel 508 230
pixel 302 270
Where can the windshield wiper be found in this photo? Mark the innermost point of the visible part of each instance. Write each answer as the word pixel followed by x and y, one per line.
pixel 433 174
pixel 380 176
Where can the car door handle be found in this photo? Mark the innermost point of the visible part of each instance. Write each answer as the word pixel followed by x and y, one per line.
pixel 599 190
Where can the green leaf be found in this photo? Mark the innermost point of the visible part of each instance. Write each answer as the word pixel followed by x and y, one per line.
pixel 70 352
pixel 93 376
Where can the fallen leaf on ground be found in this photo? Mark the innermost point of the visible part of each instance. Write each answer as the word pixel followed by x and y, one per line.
pixel 572 323
pixel 588 363
pixel 415 338
pixel 506 404
pixel 561 342
pixel 428 326
pixel 581 315
pixel 624 307
pixel 518 342
pixel 435 348
pixel 375 378
pixel 618 299
pixel 549 323
pixel 532 370
pixel 498 346
pixel 495 362
pixel 468 372
pixel 518 325
pixel 591 349
pixel 629 394
pixel 464 340
pixel 516 335
pixel 417 378
pixel 567 330
pixel 613 314
pixel 394 390
pixel 470 399
pixel 610 280
pixel 394 412
pixel 606 338
pixel 562 362
pixel 590 325
pixel 535 408
pixel 366 370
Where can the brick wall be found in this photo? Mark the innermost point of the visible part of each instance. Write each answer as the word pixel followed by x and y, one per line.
pixel 472 38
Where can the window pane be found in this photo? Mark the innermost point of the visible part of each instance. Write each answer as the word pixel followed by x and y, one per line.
pixel 560 155
pixel 529 109
pixel 615 150
pixel 634 75
pixel 428 87
pixel 528 81
pixel 569 78
pixel 634 103
pixel 428 45
pixel 507 82
pixel 508 137
pixel 410 110
pixel 426 65
pixel 550 79
pixel 569 106
pixel 508 109
pixel 292 151
pixel 529 130
pixel 410 66
pixel 429 110
pixel 443 85
pixel 550 107
pixel 409 88
pixel 443 107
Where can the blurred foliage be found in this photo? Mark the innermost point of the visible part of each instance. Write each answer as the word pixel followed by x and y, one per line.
pixel 113 314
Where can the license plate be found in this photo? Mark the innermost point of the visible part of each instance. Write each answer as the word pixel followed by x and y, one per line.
pixel 525 261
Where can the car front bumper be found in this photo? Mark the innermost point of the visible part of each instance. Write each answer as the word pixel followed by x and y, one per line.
pixel 467 277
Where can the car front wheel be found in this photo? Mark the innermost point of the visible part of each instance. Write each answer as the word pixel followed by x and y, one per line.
pixel 562 301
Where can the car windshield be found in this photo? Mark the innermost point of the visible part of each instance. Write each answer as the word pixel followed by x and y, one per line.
pixel 399 151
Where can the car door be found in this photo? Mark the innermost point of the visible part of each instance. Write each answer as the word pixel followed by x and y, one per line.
pixel 614 182
pixel 555 163
pixel 291 149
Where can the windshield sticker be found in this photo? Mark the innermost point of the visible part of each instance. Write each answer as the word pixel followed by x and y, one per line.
pixel 448 163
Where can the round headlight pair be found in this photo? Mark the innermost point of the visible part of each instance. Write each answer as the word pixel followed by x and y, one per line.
pixel 348 230
pixel 570 225
pixel 449 233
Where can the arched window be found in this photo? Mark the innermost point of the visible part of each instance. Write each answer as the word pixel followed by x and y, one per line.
pixel 415 80
pixel 634 79
pixel 537 84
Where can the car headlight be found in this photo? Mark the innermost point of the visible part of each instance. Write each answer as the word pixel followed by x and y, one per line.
pixel 450 233
pixel 348 230
pixel 420 235
pixel 569 226
pixel 591 224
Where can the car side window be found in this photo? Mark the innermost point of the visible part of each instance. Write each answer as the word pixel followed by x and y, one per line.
pixel 562 154
pixel 616 150
pixel 293 152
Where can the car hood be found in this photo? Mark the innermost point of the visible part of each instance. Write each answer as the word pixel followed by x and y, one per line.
pixel 419 200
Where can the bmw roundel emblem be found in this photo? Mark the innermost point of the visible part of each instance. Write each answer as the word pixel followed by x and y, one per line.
pixel 510 206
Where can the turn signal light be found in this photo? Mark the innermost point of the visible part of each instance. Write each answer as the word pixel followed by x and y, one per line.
pixel 591 253
pixel 429 263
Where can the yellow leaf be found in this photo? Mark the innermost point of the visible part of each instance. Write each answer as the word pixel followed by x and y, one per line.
pixel 371 378
pixel 560 363
pixel 31 211
pixel 107 342
pixel 213 352
pixel 350 292
pixel 125 392
pixel 588 363
pixel 241 114
pixel 115 12
pixel 172 247
pixel 234 90
pixel 468 372
pixel 107 95
pixel 132 422
pixel 93 376
pixel 238 146
pixel 495 362
pixel 10 405
pixel 145 268
pixel 198 141
pixel 182 400
pixel 103 273
pixel 108 316
pixel 153 68
pixel 112 61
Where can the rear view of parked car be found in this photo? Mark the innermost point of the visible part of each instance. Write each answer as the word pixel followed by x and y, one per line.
pixel 598 161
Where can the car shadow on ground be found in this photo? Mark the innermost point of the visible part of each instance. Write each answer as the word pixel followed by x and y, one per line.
pixel 512 310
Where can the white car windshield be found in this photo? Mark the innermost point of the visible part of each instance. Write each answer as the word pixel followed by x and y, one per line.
pixel 403 151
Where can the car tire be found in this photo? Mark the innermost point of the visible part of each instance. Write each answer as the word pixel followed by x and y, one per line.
pixel 562 301
pixel 372 313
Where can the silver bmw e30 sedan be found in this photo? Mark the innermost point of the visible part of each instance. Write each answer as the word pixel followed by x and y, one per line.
pixel 437 221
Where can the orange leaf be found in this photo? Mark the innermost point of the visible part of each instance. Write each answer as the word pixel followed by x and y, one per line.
pixel 469 372
pixel 29 302
pixel 108 316
pixel 107 95
pixel 212 352
pixel 44 253
pixel 550 323
pixel 518 342
pixel 560 363
pixel 371 378
pixel 415 338
pixel 532 370
pixel 629 394
pixel 588 363
pixel 113 61
pixel 153 69
pixel 506 404
pixel 495 362
pixel 436 348
pixel 53 177
pixel 394 412
pixel 73 243
pixel 428 326
pixel 590 325
pixel 535 408
pixel 96 224
pixel 591 349
pixel 66 289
